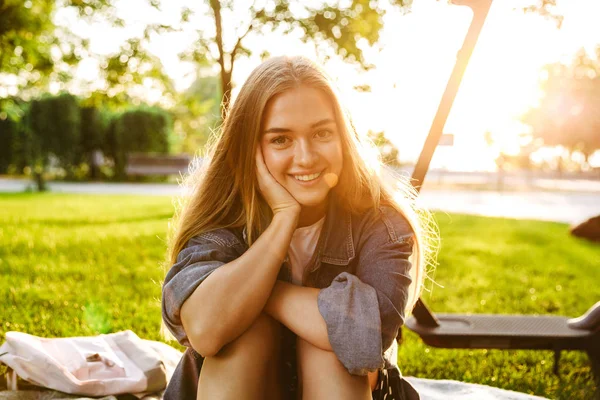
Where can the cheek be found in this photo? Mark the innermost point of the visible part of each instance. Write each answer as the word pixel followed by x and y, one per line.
pixel 274 161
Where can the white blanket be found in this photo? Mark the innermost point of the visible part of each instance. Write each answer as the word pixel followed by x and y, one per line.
pixel 429 389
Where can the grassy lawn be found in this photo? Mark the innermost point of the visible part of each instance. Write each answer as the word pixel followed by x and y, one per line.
pixel 82 265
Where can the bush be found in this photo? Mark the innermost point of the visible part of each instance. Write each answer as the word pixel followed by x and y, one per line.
pixel 93 136
pixel 55 123
pixel 93 129
pixel 15 137
pixel 8 134
pixel 139 130
pixel 56 132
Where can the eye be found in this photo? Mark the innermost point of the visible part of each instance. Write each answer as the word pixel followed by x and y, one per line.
pixel 323 134
pixel 279 140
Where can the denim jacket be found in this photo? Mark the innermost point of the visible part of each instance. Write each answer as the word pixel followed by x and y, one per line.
pixel 361 264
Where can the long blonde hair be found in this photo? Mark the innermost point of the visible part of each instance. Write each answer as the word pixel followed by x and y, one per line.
pixel 223 190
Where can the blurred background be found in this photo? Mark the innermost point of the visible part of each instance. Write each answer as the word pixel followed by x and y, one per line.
pixel 87 85
pixel 115 97
pixel 84 83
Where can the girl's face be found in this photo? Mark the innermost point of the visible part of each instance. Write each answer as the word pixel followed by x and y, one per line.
pixel 301 144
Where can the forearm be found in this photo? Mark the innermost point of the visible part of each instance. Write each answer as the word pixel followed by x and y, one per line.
pixel 231 298
pixel 296 308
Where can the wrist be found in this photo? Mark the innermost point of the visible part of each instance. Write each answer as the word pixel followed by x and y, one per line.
pixel 290 215
pixel 273 301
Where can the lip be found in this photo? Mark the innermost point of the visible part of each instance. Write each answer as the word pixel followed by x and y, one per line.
pixel 306 173
pixel 309 183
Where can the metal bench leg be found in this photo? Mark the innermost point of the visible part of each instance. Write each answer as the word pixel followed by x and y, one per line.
pixel 556 361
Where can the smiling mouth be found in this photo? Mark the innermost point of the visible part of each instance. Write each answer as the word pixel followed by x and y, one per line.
pixel 307 178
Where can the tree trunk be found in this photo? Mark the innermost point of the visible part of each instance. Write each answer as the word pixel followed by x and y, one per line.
pixel 40 183
pixel 225 75
pixel 226 89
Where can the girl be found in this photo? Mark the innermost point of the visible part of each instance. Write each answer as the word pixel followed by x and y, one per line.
pixel 290 273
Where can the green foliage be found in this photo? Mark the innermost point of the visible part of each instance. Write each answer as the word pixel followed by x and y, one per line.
pixel 25 42
pixel 31 45
pixel 339 25
pixel 93 129
pixel 15 146
pixel 567 114
pixel 57 131
pixel 55 122
pixel 86 264
pixel 389 152
pixel 26 35
pixel 8 135
pixel 197 113
pixel 139 130
pixel 35 51
pixel 132 66
pixel 93 137
pixel 23 144
pixel 342 27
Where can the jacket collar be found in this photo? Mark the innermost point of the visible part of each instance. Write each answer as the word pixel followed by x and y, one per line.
pixel 335 242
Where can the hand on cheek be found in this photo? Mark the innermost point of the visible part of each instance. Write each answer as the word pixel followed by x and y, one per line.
pixel 278 198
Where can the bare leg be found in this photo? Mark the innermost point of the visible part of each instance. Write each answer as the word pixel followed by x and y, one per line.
pixel 246 368
pixel 324 377
pixel 373 378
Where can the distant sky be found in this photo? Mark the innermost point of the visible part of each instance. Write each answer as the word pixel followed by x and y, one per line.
pixel 413 61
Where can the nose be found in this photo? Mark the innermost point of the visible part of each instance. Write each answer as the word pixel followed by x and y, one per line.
pixel 305 154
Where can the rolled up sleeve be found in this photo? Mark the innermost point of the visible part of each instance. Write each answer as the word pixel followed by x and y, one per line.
pixel 350 310
pixel 364 312
pixel 194 264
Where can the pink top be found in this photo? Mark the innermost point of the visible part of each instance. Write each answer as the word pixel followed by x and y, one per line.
pixel 303 244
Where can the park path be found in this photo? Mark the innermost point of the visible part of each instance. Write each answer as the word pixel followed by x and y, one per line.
pixel 568 207
pixel 560 206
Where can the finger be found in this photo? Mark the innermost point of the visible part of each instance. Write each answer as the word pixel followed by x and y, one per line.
pixel 260 163
pixel 263 171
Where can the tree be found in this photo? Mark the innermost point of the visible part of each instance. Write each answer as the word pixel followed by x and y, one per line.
pixel 546 9
pixel 36 51
pixel 32 45
pixel 389 152
pixel 197 113
pixel 342 26
pixel 128 73
pixel 567 113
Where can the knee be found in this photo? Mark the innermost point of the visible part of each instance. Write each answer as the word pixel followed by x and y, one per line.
pixel 259 342
pixel 310 356
pixel 312 361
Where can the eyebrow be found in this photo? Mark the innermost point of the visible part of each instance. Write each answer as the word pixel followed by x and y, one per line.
pixel 322 122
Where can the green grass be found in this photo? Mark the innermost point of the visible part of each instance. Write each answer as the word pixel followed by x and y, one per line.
pixel 81 265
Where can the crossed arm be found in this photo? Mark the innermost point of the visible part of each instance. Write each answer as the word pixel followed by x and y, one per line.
pixel 296 307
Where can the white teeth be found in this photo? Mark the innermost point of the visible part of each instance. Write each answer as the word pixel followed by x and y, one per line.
pixel 307 177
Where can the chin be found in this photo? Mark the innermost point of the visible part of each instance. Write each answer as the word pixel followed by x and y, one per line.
pixel 311 202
